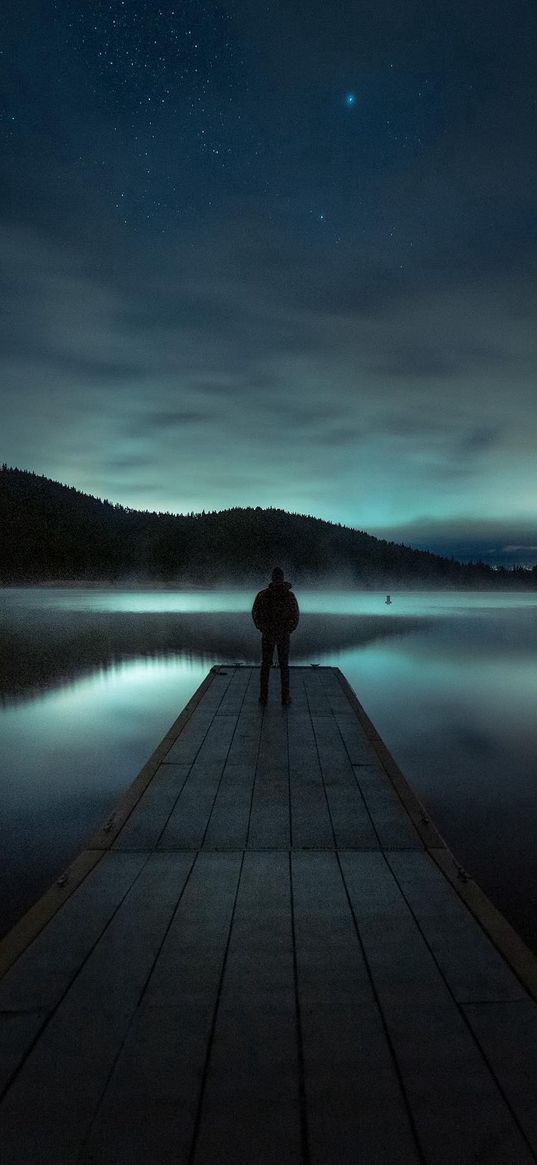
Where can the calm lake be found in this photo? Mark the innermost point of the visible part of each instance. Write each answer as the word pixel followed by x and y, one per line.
pixel 91 679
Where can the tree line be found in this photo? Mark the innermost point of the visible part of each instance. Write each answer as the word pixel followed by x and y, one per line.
pixel 52 532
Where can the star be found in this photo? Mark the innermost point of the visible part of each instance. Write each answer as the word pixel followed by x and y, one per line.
pixel 350 99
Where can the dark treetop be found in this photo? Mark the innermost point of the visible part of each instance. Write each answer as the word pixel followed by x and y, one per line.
pixel 53 532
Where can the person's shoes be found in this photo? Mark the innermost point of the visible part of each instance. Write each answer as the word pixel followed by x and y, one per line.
pixel 262 700
pixel 286 700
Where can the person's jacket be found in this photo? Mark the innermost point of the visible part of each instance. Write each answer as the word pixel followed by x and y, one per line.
pixel 275 610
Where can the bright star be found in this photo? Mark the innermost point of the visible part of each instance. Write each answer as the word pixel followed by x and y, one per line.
pixel 350 99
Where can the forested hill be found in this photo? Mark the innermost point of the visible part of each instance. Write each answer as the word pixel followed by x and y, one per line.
pixel 52 532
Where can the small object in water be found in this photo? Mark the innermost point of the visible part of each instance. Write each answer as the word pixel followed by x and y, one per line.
pixel 387 600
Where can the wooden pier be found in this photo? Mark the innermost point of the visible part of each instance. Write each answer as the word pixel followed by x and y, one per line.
pixel 267 956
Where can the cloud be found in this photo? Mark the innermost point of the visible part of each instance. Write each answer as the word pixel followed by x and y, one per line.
pixel 273 379
pixel 469 538
pixel 124 462
pixel 513 549
pixel 159 419
pixel 241 356
pixel 481 439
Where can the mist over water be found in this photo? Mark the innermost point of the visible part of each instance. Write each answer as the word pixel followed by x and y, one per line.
pixel 90 679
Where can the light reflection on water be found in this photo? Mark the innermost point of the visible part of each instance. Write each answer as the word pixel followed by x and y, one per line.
pixel 94 678
pixel 337 602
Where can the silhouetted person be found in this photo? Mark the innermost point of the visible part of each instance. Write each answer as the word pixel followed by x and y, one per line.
pixel 275 614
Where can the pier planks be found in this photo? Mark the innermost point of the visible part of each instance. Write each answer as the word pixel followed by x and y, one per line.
pixel 263 960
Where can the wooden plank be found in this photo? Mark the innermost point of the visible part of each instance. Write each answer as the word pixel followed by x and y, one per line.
pixel 269 826
pixel 458 1110
pixel 198 737
pixel 521 960
pixel 311 826
pixel 187 824
pixel 148 1112
pixel 393 826
pixel 39 916
pixel 62 1079
pixel 214 693
pixel 150 816
pixel 246 737
pixel 250 1110
pixel 316 695
pixel 129 1035
pixel 233 699
pixel 185 749
pixel 417 812
pixel 210 690
pixel 472 967
pixel 43 973
pixel 351 1081
pixel 228 824
pixel 299 701
pixel 507 1034
pixel 350 818
pixel 18 1030
pixel 252 690
pixel 333 693
pixel 359 749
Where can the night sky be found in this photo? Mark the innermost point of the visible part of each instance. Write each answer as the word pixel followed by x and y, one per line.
pixel 277 254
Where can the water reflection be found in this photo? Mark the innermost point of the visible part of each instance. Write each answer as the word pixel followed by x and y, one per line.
pixel 50 648
pixel 91 680
pixel 68 754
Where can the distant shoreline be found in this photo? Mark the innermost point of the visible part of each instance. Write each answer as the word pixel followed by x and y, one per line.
pixel 55 536
pixel 249 584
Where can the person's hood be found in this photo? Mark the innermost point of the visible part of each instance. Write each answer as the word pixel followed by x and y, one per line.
pixel 280 586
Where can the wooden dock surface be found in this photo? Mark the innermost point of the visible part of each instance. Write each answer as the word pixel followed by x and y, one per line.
pixel 267 956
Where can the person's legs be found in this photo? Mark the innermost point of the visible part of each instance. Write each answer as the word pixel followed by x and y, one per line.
pixel 267 652
pixel 283 660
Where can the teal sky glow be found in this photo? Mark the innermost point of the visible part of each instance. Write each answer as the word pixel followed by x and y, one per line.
pixel 228 287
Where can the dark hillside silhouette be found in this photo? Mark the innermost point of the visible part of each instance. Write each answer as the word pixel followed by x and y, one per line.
pixel 52 532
